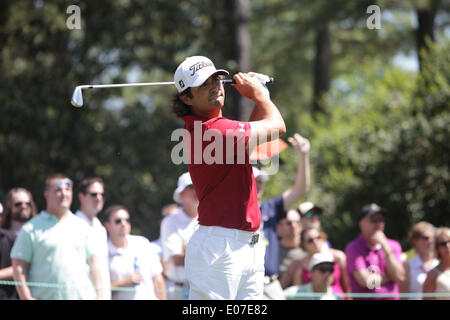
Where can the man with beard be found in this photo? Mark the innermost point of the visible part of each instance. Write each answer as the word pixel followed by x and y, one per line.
pixel 19 208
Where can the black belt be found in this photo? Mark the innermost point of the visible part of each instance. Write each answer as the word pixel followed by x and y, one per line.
pixel 178 283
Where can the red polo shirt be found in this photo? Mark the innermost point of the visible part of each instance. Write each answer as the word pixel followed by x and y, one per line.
pixel 218 163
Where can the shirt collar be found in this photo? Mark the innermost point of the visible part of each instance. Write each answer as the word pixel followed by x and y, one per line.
pixel 83 216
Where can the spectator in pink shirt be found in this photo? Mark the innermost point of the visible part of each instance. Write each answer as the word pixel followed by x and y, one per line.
pixel 373 260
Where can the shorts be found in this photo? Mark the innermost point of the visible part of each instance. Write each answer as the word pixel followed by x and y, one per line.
pixel 221 263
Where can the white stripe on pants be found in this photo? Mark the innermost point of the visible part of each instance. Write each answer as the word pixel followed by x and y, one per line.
pixel 221 264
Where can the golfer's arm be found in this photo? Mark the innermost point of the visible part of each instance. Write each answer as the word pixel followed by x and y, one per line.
pixel 266 121
pixel 20 273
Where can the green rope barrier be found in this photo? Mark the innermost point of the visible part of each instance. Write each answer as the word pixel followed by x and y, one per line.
pixel 297 296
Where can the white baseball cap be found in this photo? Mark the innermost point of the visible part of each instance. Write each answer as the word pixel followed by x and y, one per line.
pixel 184 181
pixel 193 71
pixel 321 257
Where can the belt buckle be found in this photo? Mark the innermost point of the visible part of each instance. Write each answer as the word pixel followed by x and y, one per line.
pixel 254 239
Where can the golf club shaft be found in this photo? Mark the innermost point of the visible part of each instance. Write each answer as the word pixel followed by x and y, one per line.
pixel 117 85
pixel 77 96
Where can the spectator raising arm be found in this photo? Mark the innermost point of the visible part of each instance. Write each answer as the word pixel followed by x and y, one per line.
pixel 302 178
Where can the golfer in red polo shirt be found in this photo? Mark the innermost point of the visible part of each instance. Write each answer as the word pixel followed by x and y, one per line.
pixel 225 256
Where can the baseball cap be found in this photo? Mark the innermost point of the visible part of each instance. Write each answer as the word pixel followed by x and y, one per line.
pixel 260 173
pixel 320 257
pixel 304 207
pixel 370 209
pixel 184 181
pixel 193 71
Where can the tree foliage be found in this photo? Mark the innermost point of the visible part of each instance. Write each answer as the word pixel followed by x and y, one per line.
pixel 381 138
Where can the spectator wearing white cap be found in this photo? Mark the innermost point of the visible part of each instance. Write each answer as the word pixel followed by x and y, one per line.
pixel 176 230
pixel 321 267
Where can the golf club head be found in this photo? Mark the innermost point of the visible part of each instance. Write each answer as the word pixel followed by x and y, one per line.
pixel 77 97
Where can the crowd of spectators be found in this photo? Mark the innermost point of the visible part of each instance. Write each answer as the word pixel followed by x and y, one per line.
pixel 57 254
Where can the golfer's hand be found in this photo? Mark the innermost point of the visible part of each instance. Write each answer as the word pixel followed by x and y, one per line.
pixel 299 143
pixel 249 86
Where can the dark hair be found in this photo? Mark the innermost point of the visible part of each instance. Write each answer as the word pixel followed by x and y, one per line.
pixel 87 182
pixel 6 221
pixel 111 209
pixel 178 106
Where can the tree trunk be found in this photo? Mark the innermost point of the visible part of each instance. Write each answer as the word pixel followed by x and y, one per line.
pixel 239 55
pixel 322 66
pixel 425 28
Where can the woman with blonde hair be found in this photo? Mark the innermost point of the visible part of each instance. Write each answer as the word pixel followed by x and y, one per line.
pixel 438 279
pixel 421 238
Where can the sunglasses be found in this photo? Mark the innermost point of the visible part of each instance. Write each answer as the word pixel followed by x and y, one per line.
pixel 311 240
pixel 311 214
pixel 20 203
pixel 60 183
pixel 119 220
pixel 376 219
pixel 324 269
pixel 426 238
pixel 442 243
pixel 95 194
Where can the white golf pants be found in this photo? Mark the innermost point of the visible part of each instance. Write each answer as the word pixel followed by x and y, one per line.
pixel 221 263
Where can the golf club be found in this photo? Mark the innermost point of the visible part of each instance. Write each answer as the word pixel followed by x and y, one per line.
pixel 77 96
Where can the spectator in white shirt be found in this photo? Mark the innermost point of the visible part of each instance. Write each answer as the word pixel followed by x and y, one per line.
pixel 176 230
pixel 91 195
pixel 134 265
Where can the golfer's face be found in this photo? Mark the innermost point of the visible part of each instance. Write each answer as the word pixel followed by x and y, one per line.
pixel 208 98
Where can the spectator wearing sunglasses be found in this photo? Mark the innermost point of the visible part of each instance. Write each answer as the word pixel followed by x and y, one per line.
pixel 421 238
pixel 133 263
pixel 374 262
pixel 19 208
pixel 56 248
pixel 313 241
pixel 91 196
pixel 438 279
pixel 311 215
pixel 321 267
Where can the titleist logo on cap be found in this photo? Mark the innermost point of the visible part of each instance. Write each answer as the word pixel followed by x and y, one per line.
pixel 200 65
